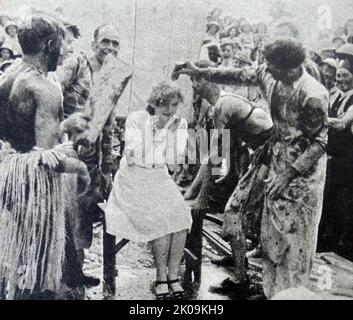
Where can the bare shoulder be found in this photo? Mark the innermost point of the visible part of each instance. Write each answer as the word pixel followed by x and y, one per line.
pixel 29 82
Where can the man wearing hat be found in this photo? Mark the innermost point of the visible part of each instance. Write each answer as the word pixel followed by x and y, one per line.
pixel 242 59
pixel 328 52
pixel 295 157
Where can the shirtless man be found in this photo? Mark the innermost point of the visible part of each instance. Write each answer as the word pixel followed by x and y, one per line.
pixel 246 124
pixel 31 109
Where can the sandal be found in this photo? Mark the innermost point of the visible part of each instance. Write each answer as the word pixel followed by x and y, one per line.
pixel 176 295
pixel 160 296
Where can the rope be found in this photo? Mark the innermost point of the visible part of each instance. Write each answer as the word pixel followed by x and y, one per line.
pixel 133 55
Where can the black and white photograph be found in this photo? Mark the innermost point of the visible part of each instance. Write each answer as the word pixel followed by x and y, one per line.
pixel 190 151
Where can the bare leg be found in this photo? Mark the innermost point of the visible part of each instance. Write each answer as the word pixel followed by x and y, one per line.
pixel 176 252
pixel 160 250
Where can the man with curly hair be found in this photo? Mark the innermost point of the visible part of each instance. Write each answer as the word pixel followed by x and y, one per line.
pixel 295 157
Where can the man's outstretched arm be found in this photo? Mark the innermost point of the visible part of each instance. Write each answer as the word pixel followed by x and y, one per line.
pixel 219 75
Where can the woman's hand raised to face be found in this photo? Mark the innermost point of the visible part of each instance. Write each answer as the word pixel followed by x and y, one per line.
pixel 175 124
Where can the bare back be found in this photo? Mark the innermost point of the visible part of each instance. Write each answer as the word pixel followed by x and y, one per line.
pixel 31 109
pixel 233 111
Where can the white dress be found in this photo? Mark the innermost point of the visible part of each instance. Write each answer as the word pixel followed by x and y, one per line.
pixel 145 203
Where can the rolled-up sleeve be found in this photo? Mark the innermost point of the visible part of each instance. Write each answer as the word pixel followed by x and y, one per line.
pixel 133 134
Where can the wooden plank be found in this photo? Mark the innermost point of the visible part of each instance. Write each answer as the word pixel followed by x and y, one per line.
pixel 121 245
pixel 217 242
pixel 109 84
pixel 213 218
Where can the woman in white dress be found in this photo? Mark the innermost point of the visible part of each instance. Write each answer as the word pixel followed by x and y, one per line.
pixel 145 204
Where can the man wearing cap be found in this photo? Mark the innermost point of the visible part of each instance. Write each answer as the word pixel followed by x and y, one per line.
pixel 296 161
pixel 242 59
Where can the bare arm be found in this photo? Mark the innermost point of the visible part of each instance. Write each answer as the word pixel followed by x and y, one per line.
pixel 220 75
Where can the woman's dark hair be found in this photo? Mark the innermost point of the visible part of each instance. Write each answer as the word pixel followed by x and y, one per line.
pixel 37 30
pixel 162 94
pixel 285 53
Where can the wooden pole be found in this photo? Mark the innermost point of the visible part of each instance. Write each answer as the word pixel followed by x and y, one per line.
pixel 109 262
